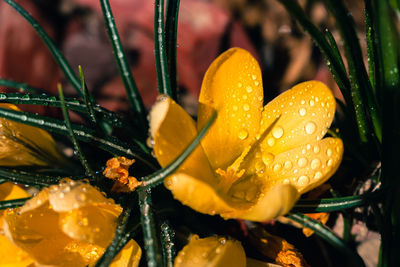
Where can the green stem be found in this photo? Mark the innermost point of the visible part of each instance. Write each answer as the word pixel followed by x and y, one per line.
pixel 160 53
pixel 168 246
pixel 151 245
pixel 5 204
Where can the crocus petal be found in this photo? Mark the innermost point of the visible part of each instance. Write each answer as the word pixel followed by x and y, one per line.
pixel 276 201
pixel 129 256
pixel 12 256
pixel 200 196
pixel 306 166
pixel 10 191
pixel 14 153
pixel 211 252
pixel 232 86
pixel 306 111
pixel 172 130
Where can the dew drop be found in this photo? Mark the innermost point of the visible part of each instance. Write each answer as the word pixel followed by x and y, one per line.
pixel 302 111
pixel 288 165
pixel 315 163
pixel 329 162
pixel 312 103
pixel 308 146
pixel 244 97
pixel 256 83
pixel 254 77
pixel 271 141
pixel 240 85
pixel 316 149
pixel 243 134
pixel 286 181
pixel 329 152
pixel 235 108
pixel 318 175
pixel 310 127
pixel 302 162
pixel 246 107
pixel 302 102
pixel 277 132
pixel 268 158
pixel 249 89
pixel 277 167
pixel 303 180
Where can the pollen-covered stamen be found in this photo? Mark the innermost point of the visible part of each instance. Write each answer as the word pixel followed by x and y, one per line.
pixel 117 170
pixel 228 177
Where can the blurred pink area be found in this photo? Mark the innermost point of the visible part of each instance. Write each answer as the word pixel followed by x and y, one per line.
pixel 202 26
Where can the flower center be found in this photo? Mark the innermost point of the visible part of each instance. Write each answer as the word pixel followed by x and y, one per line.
pixel 228 177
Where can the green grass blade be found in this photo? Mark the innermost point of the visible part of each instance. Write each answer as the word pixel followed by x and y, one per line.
pixel 72 104
pixel 370 36
pixel 112 249
pixel 151 245
pixel 168 245
pixel 132 91
pixel 171 29
pixel 5 204
pixel 28 178
pixel 332 204
pixel 77 147
pixel 64 65
pixel 23 87
pixel 361 89
pixel 160 53
pixel 326 234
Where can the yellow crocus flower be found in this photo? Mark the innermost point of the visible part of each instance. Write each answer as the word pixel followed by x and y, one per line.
pixel 69 224
pixel 216 252
pixel 11 255
pixel 24 145
pixel 243 169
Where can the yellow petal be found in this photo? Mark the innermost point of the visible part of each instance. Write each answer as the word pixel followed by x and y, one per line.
pixel 70 195
pixel 232 86
pixel 39 148
pixel 129 256
pixel 211 252
pixel 256 263
pixel 94 224
pixel 37 233
pixel 172 130
pixel 12 256
pixel 306 111
pixel 199 195
pixel 276 201
pixel 306 166
pixel 9 191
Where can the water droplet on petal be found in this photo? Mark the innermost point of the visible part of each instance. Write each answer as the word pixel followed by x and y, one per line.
pixel 256 83
pixel 268 158
pixel 288 165
pixel 254 77
pixel 303 180
pixel 310 127
pixel 315 163
pixel 246 107
pixel 277 132
pixel 329 152
pixel 243 134
pixel 302 112
pixel 249 89
pixel 239 85
pixel 271 141
pixel 318 175
pixel 277 167
pixel 286 181
pixel 302 162
pixel 316 149
pixel 312 103
pixel 329 162
pixel 235 108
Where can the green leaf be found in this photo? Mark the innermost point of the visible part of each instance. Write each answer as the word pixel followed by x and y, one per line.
pixel 160 53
